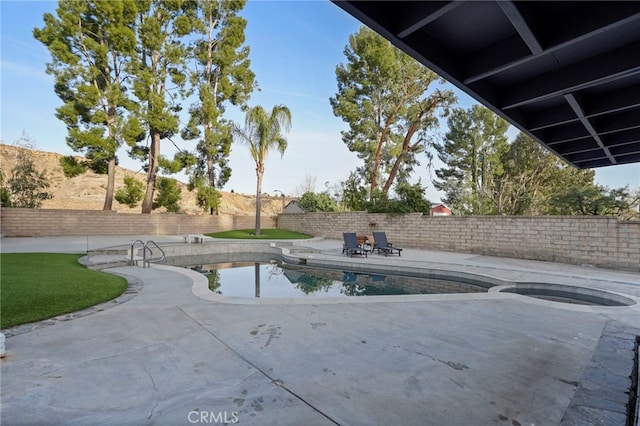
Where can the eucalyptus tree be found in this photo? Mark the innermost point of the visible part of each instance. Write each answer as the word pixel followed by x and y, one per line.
pixel 262 132
pixel 90 42
pixel 160 77
pixel 385 97
pixel 221 76
pixel 532 177
pixel 472 153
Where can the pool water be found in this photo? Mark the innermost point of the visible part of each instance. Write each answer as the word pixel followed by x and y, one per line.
pixel 275 279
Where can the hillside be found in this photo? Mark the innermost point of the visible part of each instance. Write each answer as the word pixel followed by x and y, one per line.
pixel 86 192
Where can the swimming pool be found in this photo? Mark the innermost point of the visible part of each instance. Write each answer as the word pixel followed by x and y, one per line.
pixel 275 279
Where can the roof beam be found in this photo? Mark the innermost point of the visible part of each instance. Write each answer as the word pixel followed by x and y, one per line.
pixel 619 100
pixel 602 69
pixel 573 147
pixel 521 26
pixel 435 11
pixel 631 136
pixel 579 31
pixel 573 103
pixel 593 106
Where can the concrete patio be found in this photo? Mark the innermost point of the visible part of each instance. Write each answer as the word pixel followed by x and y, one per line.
pixel 174 354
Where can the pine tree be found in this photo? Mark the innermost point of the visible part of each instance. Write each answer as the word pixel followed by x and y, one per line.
pixel 472 152
pixel 90 43
pixel 221 77
pixel 384 95
pixel 160 78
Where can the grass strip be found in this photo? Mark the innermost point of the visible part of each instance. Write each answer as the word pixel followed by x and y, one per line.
pixel 37 286
pixel 265 234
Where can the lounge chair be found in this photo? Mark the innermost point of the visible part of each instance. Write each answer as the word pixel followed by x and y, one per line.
pixel 351 246
pixel 384 246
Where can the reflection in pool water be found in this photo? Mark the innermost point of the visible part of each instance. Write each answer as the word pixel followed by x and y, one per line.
pixel 274 279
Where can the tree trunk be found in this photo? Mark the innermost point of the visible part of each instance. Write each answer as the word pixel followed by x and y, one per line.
pixel 154 152
pixel 406 147
pixel 111 180
pixel 259 173
pixel 212 178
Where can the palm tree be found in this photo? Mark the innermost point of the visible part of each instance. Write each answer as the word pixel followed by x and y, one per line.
pixel 262 132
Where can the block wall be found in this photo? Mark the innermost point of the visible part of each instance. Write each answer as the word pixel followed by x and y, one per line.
pixel 593 240
pixel 16 222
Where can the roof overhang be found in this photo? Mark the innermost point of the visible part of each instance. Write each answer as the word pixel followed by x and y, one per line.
pixel 567 73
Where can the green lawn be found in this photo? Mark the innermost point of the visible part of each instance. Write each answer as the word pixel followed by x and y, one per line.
pixel 37 286
pixel 265 234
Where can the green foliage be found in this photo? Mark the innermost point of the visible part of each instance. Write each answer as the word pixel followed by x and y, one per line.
pixel 354 195
pixel 89 42
pixel 209 198
pixel 410 199
pixel 26 185
pixel 71 167
pixel 222 77
pixel 181 160
pixel 532 176
pixel 472 152
pixel 37 286
pixel 168 196
pixel 122 69
pixel 262 132
pixel 486 176
pixel 591 200
pixel 5 195
pixel 159 72
pixel 384 96
pixel 321 202
pixel 132 192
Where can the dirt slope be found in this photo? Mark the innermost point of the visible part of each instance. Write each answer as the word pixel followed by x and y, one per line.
pixel 87 191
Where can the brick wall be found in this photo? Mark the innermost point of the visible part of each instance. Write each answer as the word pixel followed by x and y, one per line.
pixel 16 222
pixel 595 240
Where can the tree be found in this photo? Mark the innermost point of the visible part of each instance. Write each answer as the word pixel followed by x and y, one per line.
pixel 5 195
pixel 312 202
pixel 168 196
pixel 591 200
pixel 262 132
pixel 531 177
pixel 383 94
pixel 26 185
pixel 71 167
pixel 308 184
pixel 410 198
pixel 354 194
pixel 208 198
pixel 472 153
pixel 221 77
pixel 132 193
pixel 90 43
pixel 159 74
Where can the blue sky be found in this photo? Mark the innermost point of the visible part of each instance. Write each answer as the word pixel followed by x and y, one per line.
pixel 295 47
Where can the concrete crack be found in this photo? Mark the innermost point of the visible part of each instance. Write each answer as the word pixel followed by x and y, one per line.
pixel 275 381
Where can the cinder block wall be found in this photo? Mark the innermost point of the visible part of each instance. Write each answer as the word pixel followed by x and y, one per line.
pixel 594 240
pixel 16 222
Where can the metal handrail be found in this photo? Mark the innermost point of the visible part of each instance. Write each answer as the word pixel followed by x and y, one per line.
pixel 131 262
pixel 146 246
pixel 146 261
